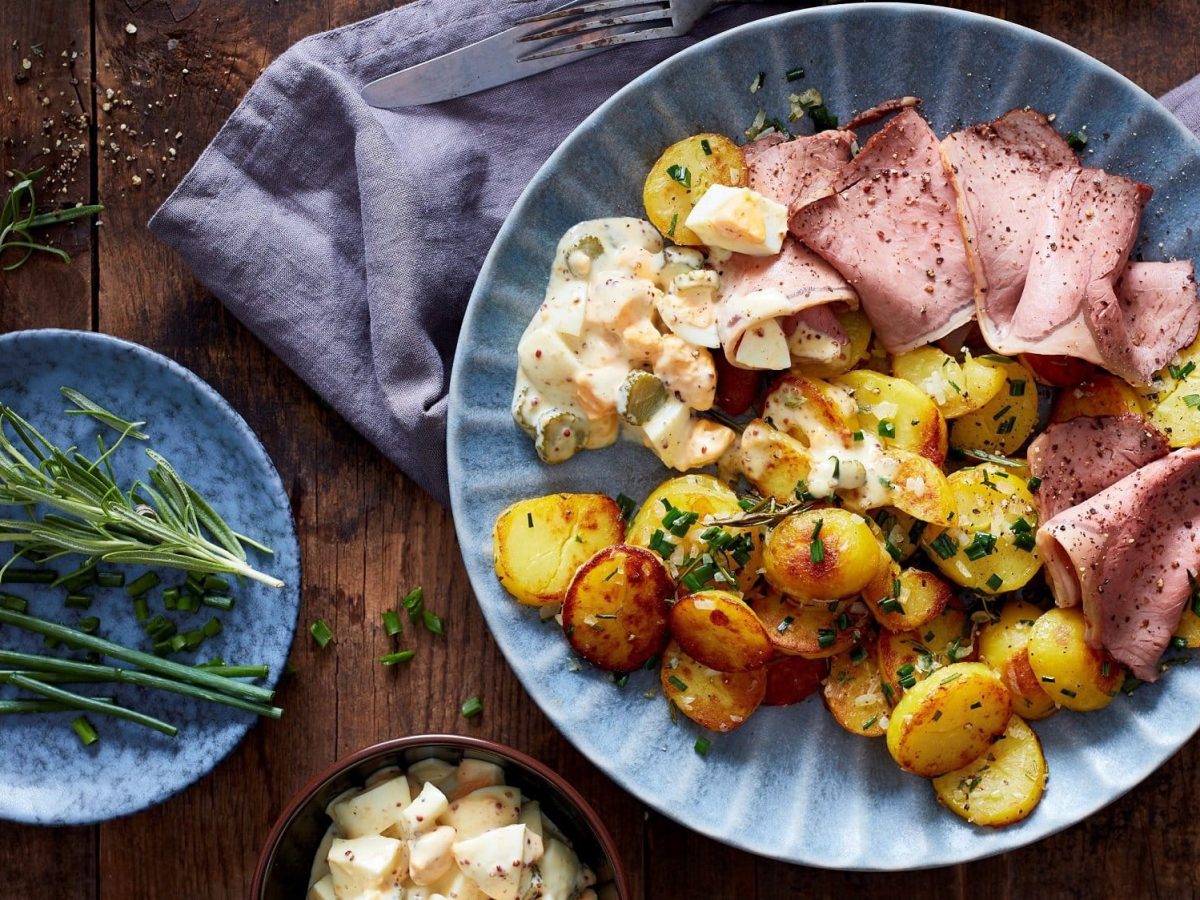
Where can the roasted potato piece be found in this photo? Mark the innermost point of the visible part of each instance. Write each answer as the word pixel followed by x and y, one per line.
pixel 810 410
pixel 957 388
pixel 858 329
pixel 920 489
pixel 899 412
pixel 718 630
pixel 704 496
pixel 679 178
pixel 905 599
pixel 1177 415
pixel 971 553
pixel 854 692
pixel 948 720
pixel 821 554
pixel 719 701
pixel 811 630
pixel 1006 421
pixel 616 613
pixel 537 544
pixel 1003 646
pixel 772 461
pixel 1100 395
pixel 1189 627
pixel 907 657
pixel 899 532
pixel 1074 674
pixel 1003 785
pixel 791 679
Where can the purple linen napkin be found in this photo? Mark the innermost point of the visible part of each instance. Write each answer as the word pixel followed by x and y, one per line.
pixel 359 231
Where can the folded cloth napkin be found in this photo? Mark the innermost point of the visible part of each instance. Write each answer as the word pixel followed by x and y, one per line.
pixel 359 232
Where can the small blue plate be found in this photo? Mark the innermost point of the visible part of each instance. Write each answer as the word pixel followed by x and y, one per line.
pixel 790 783
pixel 48 776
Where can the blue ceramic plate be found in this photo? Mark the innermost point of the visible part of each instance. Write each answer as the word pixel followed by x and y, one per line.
pixel 790 783
pixel 48 777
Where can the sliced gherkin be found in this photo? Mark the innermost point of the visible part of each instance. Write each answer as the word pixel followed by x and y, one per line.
pixel 559 435
pixel 640 396
pixel 520 412
pixel 590 246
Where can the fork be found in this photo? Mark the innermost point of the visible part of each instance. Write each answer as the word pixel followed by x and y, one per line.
pixel 641 20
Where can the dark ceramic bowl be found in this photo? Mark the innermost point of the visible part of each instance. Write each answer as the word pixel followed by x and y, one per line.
pixel 283 867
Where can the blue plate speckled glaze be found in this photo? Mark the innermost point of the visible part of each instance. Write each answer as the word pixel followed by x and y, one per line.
pixel 48 777
pixel 790 783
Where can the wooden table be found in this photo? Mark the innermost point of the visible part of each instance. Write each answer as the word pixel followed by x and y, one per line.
pixel 118 116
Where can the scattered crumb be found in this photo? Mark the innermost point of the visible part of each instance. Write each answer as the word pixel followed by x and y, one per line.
pixel 131 28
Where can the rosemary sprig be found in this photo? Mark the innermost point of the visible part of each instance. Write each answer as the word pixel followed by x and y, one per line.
pixel 88 407
pixel 767 512
pixel 19 217
pixel 83 510
pixel 985 456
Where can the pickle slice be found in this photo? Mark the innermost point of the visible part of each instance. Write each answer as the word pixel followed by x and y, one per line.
pixel 640 396
pixel 560 434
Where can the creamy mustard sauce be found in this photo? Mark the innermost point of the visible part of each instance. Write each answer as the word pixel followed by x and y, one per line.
pixel 617 303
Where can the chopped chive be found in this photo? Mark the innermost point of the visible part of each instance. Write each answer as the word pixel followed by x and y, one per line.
pixel 1179 642
pixel 982 544
pixel 950 678
pixel 837 468
pixel 994 582
pixel 1192 400
pixel 1077 140
pixel 978 704
pixel 937 714
pixel 142 584
pixel 677 683
pixel 1181 372
pixel 621 680
pixel 887 428
pixel 660 545
pixel 706 146
pixel 794 74
pixel 680 174
pixel 16 604
pixel 945 546
pixel 801 491
pixel 858 654
pixel 1066 693
pixel 1034 483
pixel 1104 669
pixel 785 624
pixel 703 745
pixel 471 707
pixel 400 656
pixel 890 694
pixel 1049 679
pixel 413 603
pixel 29 576
pixel 79 601
pixel 218 601
pixel 529 519
pixel 1007 425
pixel 1016 388
pixel 871 721
pixel 892 550
pixel 858 435
pixel 891 605
pixel 627 506
pixel 391 622
pixel 110 579
pixel 85 730
pixel 212 627
pixel 826 637
pixel 321 633
pixel 1001 413
pixel 215 584
pixel 88 625
pixel 674 222
pixel 432 622
pixel 141 609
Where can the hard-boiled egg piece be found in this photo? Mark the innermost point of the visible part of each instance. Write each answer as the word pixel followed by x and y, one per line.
pixel 739 219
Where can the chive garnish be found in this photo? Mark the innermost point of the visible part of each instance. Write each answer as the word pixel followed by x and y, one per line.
pixel 142 584
pixel 1077 140
pixel 794 74
pixel 1034 483
pixel 887 428
pixel 471 707
pixel 784 625
pixel 1066 692
pixel 871 721
pixel 1192 400
pixel 391 622
pixel 994 582
pixel 703 745
pixel 400 656
pixel 1007 425
pixel 826 637
pixel 982 544
pixel 858 435
pixel 706 146
pixel 944 545
pixel 677 683
pixel 937 714
pixel 85 730
pixel 627 506
pixel 1016 388
pixel 321 633
pixel 680 174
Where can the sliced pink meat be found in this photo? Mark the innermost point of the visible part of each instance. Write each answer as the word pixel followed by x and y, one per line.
pixel 889 224
pixel 1154 313
pixel 1126 555
pixel 1078 459
pixel 999 171
pixel 795 271
pixel 784 170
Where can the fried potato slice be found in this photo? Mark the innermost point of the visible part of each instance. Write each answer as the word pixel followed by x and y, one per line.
pixel 615 614
pixel 821 554
pixel 718 630
pixel 811 630
pixel 1100 395
pixel 718 701
pixel 948 720
pixel 854 692
pixel 679 178
pixel 792 679
pixel 957 388
pixel 989 546
pixel 1175 415
pixel 811 410
pixel 905 599
pixel 774 462
pixel 1006 421
pixel 537 544
pixel 1003 646
pixel 908 657
pixel 899 412
pixel 920 489
pixel 1003 785
pixel 1073 673
pixel 899 530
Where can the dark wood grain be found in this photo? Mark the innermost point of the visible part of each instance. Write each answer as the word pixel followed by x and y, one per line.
pixel 367 535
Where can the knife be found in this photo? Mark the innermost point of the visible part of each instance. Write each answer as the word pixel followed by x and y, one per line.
pixel 476 67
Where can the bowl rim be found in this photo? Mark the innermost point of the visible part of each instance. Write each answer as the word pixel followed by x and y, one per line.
pixel 266 856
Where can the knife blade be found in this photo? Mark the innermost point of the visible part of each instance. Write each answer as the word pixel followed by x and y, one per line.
pixel 486 63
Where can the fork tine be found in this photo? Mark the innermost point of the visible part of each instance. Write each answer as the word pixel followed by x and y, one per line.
pixel 606 22
pixel 564 12
pixel 648 34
